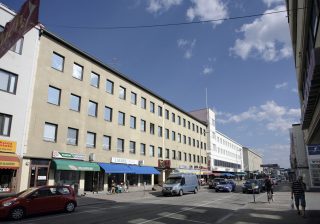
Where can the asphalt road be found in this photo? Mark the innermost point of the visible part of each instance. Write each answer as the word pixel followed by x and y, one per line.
pixel 205 207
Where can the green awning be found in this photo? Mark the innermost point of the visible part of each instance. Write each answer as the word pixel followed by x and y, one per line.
pixel 75 165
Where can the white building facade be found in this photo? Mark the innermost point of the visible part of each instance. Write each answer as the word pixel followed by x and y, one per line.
pixel 17 70
pixel 224 154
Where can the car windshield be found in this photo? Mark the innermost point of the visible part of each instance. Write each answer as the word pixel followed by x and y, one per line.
pixel 173 180
pixel 26 192
pixel 250 181
pixel 223 182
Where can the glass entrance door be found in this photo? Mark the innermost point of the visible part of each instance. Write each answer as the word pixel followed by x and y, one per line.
pixel 38 175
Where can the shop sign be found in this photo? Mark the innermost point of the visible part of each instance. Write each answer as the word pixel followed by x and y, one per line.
pixel 8 146
pixel 67 155
pixel 314 149
pixel 125 161
pixel 4 189
pixel 164 163
pixel 5 164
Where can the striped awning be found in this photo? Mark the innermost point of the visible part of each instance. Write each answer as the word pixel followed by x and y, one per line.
pixel 9 161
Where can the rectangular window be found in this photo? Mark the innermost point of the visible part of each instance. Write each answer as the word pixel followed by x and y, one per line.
pixel 109 86
pixel 173 118
pixel 143 126
pixel 179 137
pixel 194 158
pixel 179 155
pixel 174 154
pixel 54 95
pixel 132 147
pixel 197 127
pixel 189 125
pixel 122 93
pixel 142 149
pixel 193 142
pixel 92 108
pixel 184 139
pixel 173 136
pixel 133 98
pixel 198 159
pixel 159 131
pixel 57 62
pixel 167 114
pixel 91 140
pixel 167 133
pixel 72 138
pixel 192 126
pixel 143 103
pixel 120 145
pixel 190 158
pixel 107 113
pixel 17 47
pixel 151 151
pixel 50 132
pixel 132 122
pixel 185 156
pixel 189 140
pixel 75 102
pixel 94 79
pixel 121 118
pixel 151 107
pixel 151 128
pixel 159 111
pixel 179 120
pixel 8 82
pixel 77 71
pixel 5 124
pixel 106 144
pixel 159 152
pixel 167 154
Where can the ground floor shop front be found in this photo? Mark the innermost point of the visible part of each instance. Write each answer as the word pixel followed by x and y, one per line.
pixel 85 176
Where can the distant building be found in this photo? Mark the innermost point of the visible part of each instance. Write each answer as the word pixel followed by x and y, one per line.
pixel 298 153
pixel 252 161
pixel 224 154
pixel 303 18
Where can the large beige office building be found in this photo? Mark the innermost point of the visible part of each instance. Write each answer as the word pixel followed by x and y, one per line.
pixel 90 124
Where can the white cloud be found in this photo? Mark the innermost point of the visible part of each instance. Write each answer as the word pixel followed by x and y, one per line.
pixel 187 46
pixel 266 37
pixel 273 116
pixel 271 2
pixel 277 153
pixel 160 6
pixel 208 10
pixel 207 70
pixel 281 85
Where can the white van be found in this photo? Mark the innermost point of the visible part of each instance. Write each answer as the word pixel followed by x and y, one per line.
pixel 180 183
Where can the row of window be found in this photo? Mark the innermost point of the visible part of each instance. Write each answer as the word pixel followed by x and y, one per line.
pixel 5 124
pixel 8 82
pixel 75 102
pixel 50 134
pixel 226 164
pixel 58 64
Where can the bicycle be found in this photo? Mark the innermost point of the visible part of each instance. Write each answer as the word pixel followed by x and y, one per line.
pixel 269 196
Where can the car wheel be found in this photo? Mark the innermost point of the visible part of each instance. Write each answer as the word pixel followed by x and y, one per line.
pixel 180 193
pixel 195 190
pixel 17 213
pixel 70 206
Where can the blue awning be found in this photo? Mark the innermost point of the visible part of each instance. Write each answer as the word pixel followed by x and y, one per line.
pixel 144 169
pixel 115 168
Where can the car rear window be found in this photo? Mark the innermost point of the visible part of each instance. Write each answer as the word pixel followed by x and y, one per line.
pixel 63 190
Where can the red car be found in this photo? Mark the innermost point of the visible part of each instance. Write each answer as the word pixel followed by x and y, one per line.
pixel 36 200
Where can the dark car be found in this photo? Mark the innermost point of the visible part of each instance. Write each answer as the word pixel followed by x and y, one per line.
pixel 214 182
pixel 224 186
pixel 37 200
pixel 233 184
pixel 262 184
pixel 251 185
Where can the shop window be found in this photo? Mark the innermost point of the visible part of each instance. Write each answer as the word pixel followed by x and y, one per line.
pixel 133 179
pixel 146 179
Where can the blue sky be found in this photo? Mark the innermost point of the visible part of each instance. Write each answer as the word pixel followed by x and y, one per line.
pixel 245 64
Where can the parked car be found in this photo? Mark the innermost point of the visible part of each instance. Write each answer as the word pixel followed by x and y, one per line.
pixel 224 186
pixel 233 184
pixel 251 185
pixel 214 182
pixel 36 200
pixel 262 184
pixel 178 184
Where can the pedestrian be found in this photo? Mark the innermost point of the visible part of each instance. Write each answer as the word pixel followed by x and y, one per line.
pixel 127 185
pixel 298 191
pixel 113 187
pixel 269 184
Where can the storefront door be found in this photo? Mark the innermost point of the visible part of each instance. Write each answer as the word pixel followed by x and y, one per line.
pixel 39 171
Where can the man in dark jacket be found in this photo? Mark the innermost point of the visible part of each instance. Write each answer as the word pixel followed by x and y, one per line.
pixel 297 190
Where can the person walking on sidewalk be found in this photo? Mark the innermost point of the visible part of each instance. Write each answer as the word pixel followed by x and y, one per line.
pixel 298 191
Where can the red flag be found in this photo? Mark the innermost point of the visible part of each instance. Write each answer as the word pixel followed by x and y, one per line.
pixel 25 20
